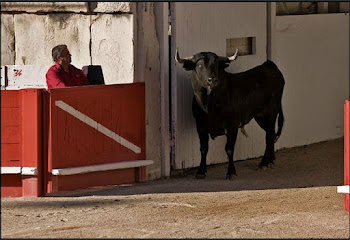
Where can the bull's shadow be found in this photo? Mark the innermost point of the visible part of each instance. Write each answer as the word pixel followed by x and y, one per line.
pixel 314 165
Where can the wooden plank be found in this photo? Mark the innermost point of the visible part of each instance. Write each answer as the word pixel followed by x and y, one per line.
pixel 10 117
pixel 10 98
pixel 10 134
pixel 94 179
pixel 346 151
pixel 11 185
pixel 10 152
pixel 115 109
pixel 31 127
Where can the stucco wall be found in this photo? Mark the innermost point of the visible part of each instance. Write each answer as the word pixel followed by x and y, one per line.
pixel 112 47
pixel 31 30
pixel 149 71
pixel 312 51
pixel 7 39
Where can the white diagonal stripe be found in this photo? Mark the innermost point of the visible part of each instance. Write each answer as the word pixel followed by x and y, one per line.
pixel 102 129
pixel 101 167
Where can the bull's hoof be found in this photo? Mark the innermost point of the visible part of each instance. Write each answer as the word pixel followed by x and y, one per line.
pixel 201 172
pixel 231 171
pixel 200 175
pixel 263 166
pixel 231 176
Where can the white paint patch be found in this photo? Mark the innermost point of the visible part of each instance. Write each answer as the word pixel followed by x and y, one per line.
pixel 343 189
pixel 92 123
pixel 10 170
pixel 20 170
pixel 101 167
pixel 29 171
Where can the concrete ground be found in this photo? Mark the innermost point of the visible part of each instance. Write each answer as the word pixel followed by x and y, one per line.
pixel 296 198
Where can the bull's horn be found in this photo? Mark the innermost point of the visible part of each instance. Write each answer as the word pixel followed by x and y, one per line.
pixel 180 60
pixel 232 58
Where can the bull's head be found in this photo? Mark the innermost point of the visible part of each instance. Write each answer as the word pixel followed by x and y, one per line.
pixel 206 67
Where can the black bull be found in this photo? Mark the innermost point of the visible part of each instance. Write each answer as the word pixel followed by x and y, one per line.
pixel 224 102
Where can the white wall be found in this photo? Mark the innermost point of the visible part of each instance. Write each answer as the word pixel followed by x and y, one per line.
pixel 205 27
pixel 312 51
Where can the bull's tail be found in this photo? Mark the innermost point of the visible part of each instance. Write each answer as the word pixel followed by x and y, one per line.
pixel 280 122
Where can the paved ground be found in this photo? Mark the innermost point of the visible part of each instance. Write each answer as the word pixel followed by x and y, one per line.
pixel 295 199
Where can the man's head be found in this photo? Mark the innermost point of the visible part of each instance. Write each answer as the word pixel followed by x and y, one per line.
pixel 61 55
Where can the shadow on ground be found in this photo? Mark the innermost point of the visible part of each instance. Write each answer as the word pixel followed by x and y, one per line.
pixel 314 165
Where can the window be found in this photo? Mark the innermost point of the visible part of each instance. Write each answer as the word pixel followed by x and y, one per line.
pixel 302 8
pixel 245 46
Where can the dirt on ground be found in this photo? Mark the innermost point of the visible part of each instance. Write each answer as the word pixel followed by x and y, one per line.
pixel 296 198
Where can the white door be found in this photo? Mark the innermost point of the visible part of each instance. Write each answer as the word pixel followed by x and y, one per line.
pixel 198 27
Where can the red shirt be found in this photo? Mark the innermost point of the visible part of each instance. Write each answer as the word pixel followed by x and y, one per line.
pixel 56 77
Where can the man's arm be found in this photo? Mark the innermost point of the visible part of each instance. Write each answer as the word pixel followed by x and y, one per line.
pixel 53 80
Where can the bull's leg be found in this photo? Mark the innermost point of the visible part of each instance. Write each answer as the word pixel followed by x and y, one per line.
pixel 204 139
pixel 268 124
pixel 230 148
pixel 202 126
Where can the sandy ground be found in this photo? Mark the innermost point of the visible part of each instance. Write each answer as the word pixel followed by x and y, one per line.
pixel 296 198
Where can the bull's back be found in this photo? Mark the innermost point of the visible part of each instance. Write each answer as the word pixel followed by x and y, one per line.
pixel 243 95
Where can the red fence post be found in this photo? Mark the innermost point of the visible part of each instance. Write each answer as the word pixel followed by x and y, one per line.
pixel 21 142
pixel 346 152
pixel 32 141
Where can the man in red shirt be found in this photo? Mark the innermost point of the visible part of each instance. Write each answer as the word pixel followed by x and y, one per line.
pixel 62 73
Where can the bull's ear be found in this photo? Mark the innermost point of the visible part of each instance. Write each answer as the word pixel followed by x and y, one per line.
pixel 223 62
pixel 223 65
pixel 189 65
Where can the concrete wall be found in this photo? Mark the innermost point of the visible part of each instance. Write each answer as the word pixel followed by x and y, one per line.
pixel 31 30
pixel 312 51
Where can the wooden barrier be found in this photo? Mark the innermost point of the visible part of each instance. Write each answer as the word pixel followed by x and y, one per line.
pixel 21 143
pixel 72 138
pixel 345 189
pixel 346 152
pixel 93 131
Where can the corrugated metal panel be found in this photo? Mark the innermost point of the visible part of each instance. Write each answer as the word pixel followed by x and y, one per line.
pixel 205 27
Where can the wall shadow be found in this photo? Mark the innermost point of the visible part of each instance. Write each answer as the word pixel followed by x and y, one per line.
pixel 314 165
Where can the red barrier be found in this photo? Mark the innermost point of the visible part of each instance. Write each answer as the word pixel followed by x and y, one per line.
pixel 86 125
pixel 21 143
pixel 79 137
pixel 346 152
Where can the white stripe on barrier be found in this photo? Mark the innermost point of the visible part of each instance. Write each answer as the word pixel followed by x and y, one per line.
pixel 20 170
pixel 29 171
pixel 11 170
pixel 92 123
pixel 101 167
pixel 343 189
